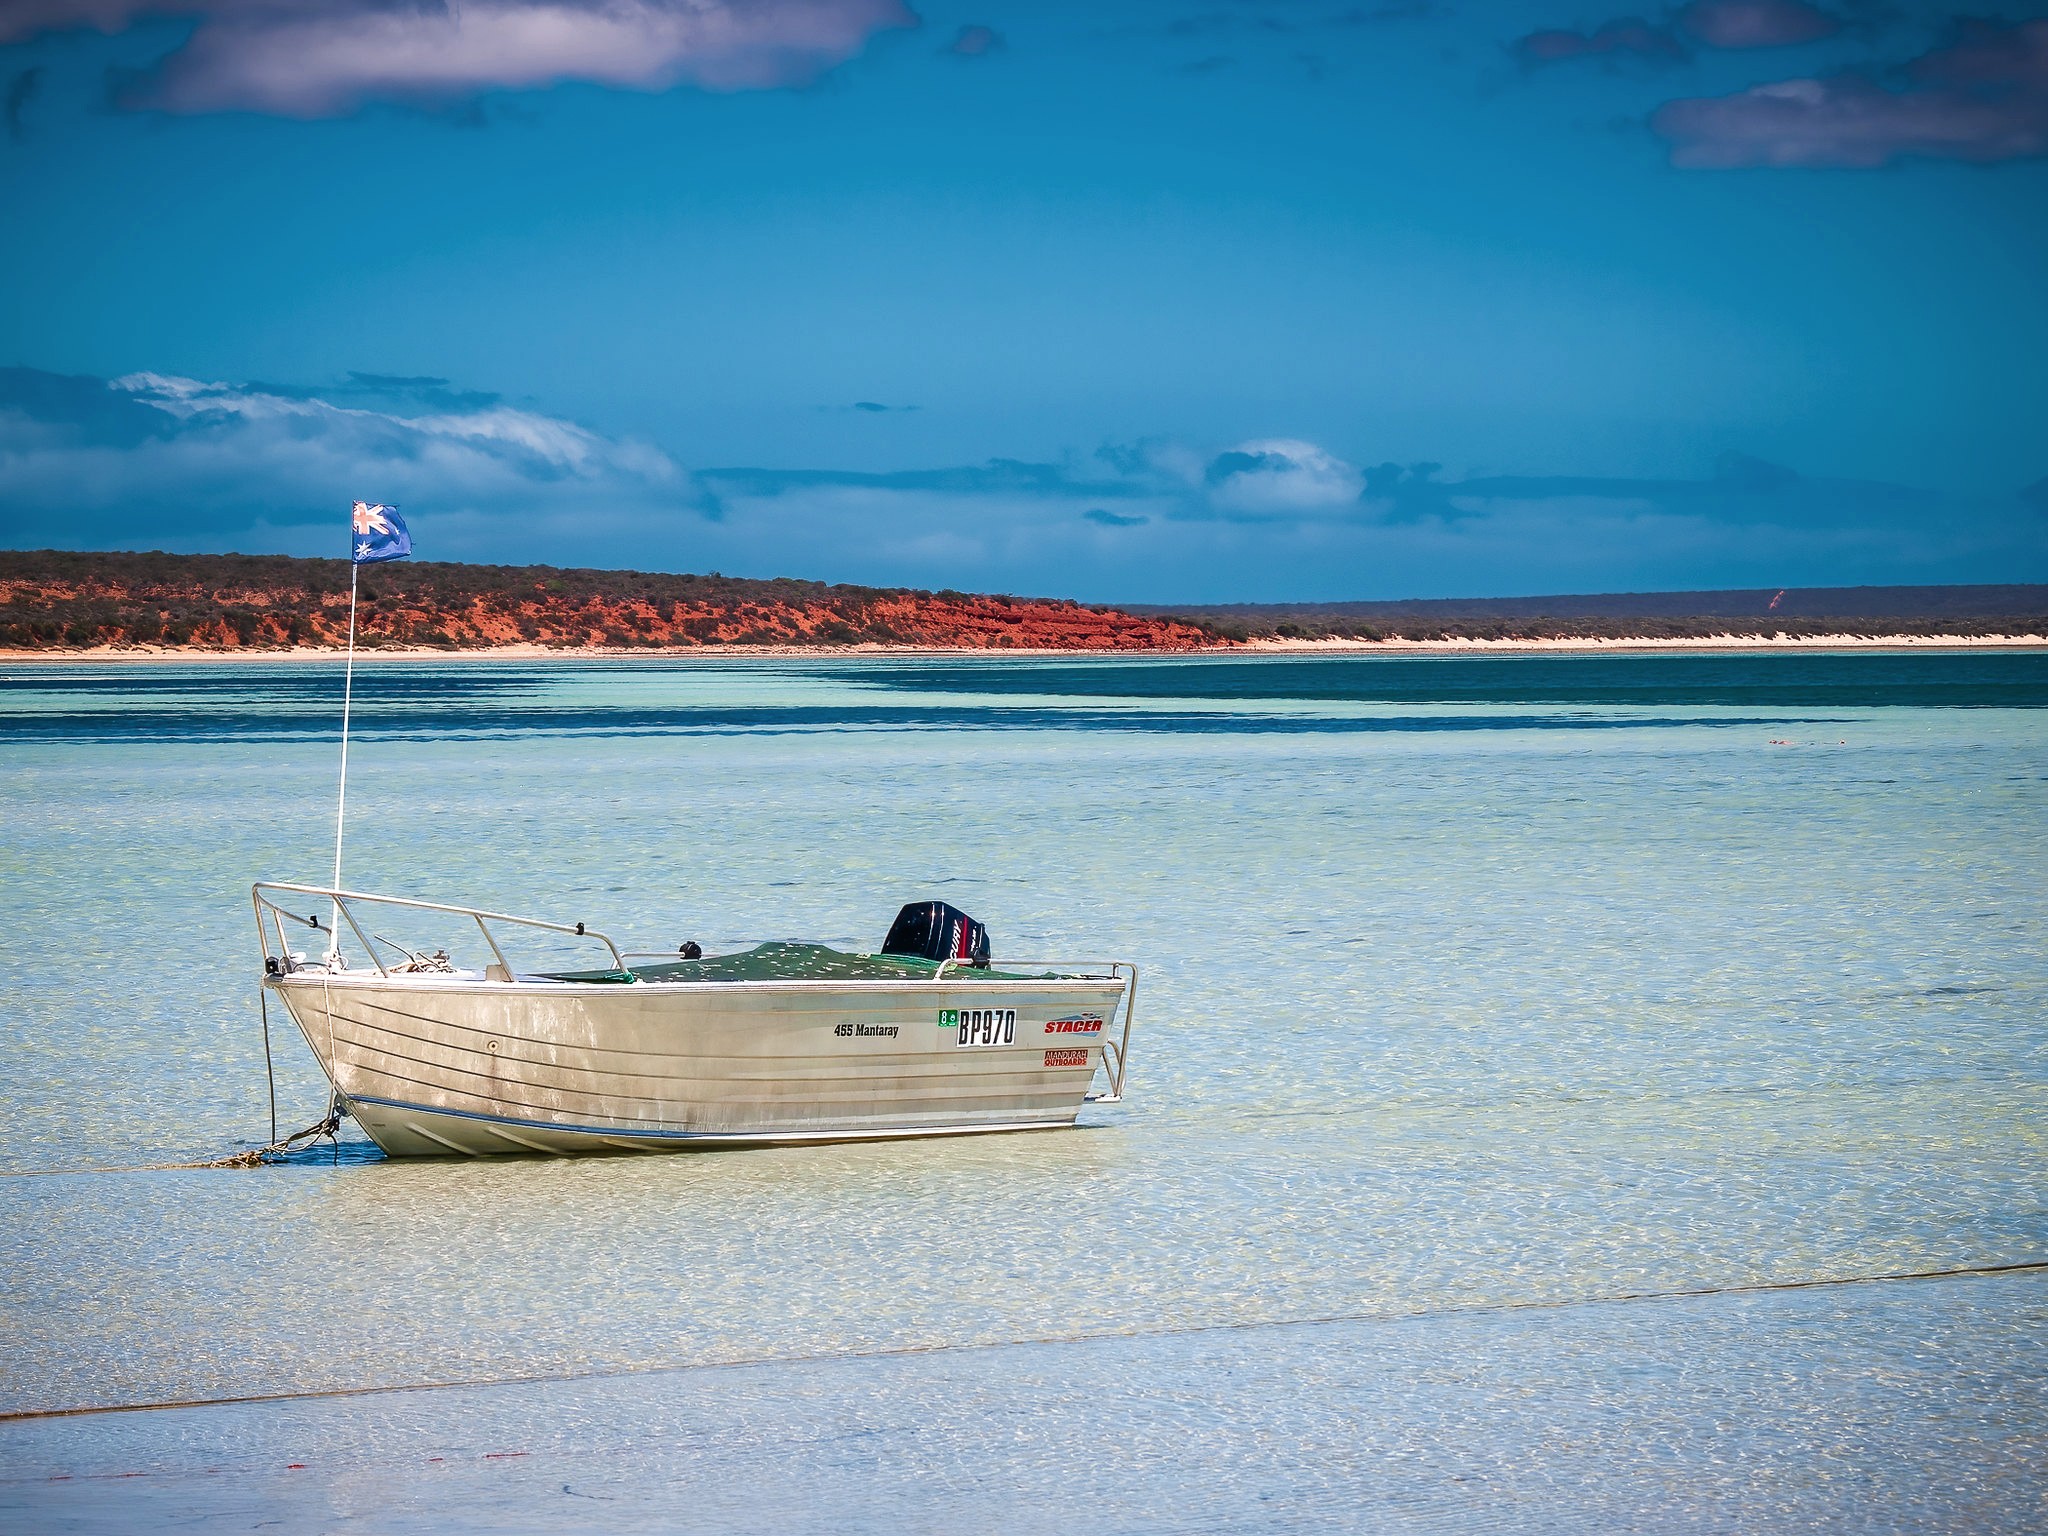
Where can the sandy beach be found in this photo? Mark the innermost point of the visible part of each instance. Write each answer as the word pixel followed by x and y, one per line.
pixel 1332 647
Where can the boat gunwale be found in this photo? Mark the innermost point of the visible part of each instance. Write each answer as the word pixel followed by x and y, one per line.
pixel 621 975
pixel 439 982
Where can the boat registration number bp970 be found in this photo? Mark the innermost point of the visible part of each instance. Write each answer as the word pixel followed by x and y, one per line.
pixel 980 1026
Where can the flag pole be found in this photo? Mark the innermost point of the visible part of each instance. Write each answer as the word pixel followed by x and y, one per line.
pixel 348 689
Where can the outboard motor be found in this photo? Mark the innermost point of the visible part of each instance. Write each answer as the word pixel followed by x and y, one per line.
pixel 932 930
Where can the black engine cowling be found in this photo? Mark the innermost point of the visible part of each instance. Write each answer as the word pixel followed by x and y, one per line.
pixel 934 931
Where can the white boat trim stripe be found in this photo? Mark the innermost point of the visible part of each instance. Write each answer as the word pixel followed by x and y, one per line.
pixel 760 1136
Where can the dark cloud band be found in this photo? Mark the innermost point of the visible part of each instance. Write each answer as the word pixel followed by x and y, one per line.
pixel 1983 98
pixel 157 461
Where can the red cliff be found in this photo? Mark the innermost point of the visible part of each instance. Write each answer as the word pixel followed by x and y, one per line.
pixel 58 601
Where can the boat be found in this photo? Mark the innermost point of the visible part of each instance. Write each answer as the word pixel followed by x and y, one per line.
pixel 671 1051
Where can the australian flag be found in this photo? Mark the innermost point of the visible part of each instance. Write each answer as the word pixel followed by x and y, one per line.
pixel 379 534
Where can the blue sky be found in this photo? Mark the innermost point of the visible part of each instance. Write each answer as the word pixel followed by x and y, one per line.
pixel 1220 300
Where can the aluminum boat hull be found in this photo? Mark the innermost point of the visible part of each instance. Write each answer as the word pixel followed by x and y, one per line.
pixel 439 1066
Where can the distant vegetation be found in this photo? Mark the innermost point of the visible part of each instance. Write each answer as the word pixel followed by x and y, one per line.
pixel 52 600
pixel 1758 613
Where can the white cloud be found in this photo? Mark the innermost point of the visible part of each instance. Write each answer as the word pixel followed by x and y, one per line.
pixel 182 462
pixel 1282 477
pixel 325 58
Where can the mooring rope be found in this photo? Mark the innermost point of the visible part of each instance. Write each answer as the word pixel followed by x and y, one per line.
pixel 276 1148
pixel 253 1157
pixel 269 1073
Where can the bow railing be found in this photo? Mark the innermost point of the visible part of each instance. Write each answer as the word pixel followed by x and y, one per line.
pixel 264 894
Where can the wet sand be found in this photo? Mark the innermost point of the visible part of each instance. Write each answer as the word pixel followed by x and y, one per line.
pixel 1874 1407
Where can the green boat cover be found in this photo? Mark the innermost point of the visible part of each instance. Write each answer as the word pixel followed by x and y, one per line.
pixel 786 961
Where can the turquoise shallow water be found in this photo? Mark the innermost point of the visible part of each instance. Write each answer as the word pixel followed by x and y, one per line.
pixel 1468 984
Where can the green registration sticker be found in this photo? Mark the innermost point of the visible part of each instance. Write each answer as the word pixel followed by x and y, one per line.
pixel 949 1018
